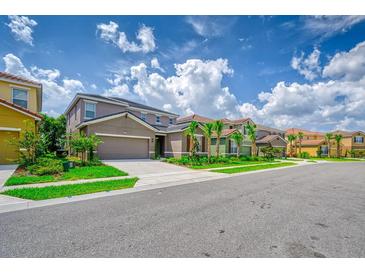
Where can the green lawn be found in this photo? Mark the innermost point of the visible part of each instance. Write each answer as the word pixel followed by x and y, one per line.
pixel 50 192
pixel 252 168
pixel 242 163
pixel 77 173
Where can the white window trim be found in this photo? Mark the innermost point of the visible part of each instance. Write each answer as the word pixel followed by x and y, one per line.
pixel 9 129
pixel 122 136
pixel 23 89
pixel 89 102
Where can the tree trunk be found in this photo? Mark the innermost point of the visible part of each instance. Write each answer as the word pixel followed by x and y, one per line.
pixel 238 150
pixel 329 149
pixel 253 148
pixel 209 144
pixel 217 146
pixel 300 148
pixel 338 150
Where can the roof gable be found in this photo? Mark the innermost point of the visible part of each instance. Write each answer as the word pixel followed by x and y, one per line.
pixel 21 109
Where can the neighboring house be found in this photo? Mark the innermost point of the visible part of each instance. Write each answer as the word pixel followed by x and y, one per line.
pixel 313 142
pixel 268 136
pixel 226 145
pixel 351 141
pixel 132 130
pixel 20 104
pixel 127 129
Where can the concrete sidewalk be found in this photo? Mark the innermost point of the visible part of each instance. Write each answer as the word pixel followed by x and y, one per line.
pixel 5 173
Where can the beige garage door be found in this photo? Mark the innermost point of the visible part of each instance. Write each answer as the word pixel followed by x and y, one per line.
pixel 123 148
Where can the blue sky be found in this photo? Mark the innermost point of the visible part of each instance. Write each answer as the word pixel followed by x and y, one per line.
pixel 283 71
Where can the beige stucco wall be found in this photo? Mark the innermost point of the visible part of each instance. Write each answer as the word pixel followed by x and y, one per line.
pixel 124 126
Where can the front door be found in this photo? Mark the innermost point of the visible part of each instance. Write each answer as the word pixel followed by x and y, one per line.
pixel 160 146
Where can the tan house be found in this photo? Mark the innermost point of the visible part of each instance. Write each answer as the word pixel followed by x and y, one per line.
pixel 313 142
pixel 20 104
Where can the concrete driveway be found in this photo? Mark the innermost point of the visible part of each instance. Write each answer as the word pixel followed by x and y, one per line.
pixel 5 173
pixel 145 167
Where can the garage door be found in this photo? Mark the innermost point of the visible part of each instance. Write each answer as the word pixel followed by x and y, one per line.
pixel 8 153
pixel 123 148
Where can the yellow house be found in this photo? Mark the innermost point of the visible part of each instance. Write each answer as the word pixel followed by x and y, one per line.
pixel 20 104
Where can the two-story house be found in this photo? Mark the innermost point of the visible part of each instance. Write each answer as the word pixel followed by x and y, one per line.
pixel 127 129
pixel 20 104
pixel 268 136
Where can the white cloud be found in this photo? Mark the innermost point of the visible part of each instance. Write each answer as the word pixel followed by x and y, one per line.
pixel 22 28
pixel 57 91
pixel 308 67
pixel 110 33
pixel 210 26
pixel 338 103
pixel 348 65
pixel 156 64
pixel 325 26
pixel 118 91
pixel 195 87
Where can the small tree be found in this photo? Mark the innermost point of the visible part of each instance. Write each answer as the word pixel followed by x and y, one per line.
pixel 291 139
pixel 191 132
pixel 208 132
pixel 300 138
pixel 329 137
pixel 338 139
pixel 237 137
pixel 218 128
pixel 30 143
pixel 251 132
pixel 83 144
pixel 53 131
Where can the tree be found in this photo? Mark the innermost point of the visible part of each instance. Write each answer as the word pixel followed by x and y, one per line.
pixel 291 139
pixel 338 139
pixel 191 131
pixel 329 137
pixel 208 130
pixel 270 152
pixel 251 132
pixel 83 144
pixel 218 128
pixel 53 130
pixel 237 137
pixel 300 138
pixel 30 143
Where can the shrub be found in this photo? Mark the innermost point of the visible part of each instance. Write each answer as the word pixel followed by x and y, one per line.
pixel 46 166
pixel 304 155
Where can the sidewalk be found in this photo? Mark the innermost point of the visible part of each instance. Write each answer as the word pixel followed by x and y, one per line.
pixel 5 173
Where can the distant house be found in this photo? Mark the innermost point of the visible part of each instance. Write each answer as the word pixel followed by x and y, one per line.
pixel 20 105
pixel 314 142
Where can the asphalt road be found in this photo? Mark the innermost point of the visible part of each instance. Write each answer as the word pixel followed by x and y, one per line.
pixel 309 211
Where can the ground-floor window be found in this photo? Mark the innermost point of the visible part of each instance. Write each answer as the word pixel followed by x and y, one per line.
pixel 232 147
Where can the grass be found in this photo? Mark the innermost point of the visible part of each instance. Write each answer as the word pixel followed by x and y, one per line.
pixel 238 163
pixel 311 161
pixel 51 192
pixel 89 172
pixel 294 159
pixel 252 168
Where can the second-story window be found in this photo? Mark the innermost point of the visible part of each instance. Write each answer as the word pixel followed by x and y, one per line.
pixel 90 110
pixel 171 121
pixel 158 119
pixel 20 97
pixel 143 116
pixel 358 139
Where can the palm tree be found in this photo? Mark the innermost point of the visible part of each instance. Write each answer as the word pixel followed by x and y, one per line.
pixel 251 132
pixel 237 137
pixel 300 138
pixel 218 128
pixel 291 139
pixel 328 137
pixel 208 130
pixel 191 131
pixel 338 138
